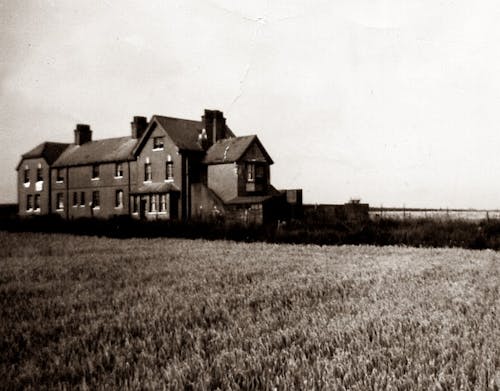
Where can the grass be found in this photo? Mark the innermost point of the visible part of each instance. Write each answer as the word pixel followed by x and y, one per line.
pixel 99 313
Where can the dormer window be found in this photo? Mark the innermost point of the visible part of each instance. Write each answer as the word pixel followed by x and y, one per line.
pixel 60 176
pixel 119 170
pixel 157 143
pixel 250 172
pixel 95 171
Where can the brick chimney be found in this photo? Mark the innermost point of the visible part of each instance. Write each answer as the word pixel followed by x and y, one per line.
pixel 139 126
pixel 215 125
pixel 83 134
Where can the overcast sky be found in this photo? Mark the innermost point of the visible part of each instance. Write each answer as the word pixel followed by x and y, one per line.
pixel 394 102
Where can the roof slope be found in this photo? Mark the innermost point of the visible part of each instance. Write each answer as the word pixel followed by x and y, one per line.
pixel 232 149
pixel 228 150
pixel 183 132
pixel 49 151
pixel 99 151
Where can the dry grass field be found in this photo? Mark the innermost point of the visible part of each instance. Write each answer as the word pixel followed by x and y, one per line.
pixel 96 313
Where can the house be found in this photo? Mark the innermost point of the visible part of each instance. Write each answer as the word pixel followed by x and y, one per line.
pixel 167 168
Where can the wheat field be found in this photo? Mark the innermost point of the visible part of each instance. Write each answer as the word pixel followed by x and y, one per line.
pixel 99 313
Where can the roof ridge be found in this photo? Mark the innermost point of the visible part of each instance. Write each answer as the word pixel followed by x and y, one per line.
pixel 180 119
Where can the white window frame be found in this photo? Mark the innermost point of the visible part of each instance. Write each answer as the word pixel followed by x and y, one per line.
pixel 36 208
pixel 95 178
pixel 118 170
pixel 60 201
pixel 119 199
pixel 158 148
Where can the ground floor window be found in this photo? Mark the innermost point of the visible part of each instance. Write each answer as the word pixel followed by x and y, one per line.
pixel 135 204
pixel 152 203
pixel 119 199
pixel 163 202
pixel 60 201
pixel 82 198
pixel 29 202
pixel 37 201
pixel 96 202
pixel 75 198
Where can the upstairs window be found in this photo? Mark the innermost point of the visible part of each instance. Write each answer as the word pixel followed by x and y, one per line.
pixel 39 176
pixel 95 171
pixel 37 202
pixel 119 170
pixel 157 143
pixel 148 174
pixel 29 202
pixel 169 170
pixel 250 172
pixel 60 176
pixel 59 201
pixel 82 198
pixel 96 202
pixel 255 172
pixel 259 172
pixel 26 175
pixel 119 199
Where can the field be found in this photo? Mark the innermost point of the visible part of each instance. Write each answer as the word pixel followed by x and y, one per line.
pixel 100 313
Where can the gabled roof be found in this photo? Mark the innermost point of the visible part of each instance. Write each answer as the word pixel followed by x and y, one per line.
pixel 99 151
pixel 49 151
pixel 183 132
pixel 231 150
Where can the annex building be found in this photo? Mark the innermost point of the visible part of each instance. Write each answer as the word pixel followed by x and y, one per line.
pixel 166 168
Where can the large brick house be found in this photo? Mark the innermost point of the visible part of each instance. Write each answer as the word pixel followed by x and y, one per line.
pixel 168 168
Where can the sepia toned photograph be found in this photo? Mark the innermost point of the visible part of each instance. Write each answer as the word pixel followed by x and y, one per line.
pixel 266 195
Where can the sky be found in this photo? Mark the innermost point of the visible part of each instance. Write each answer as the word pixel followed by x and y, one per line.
pixel 393 102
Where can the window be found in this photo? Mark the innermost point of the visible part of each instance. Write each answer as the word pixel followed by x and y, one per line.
pixel 250 172
pixel 259 172
pixel 37 202
pixel 60 177
pixel 169 171
pixel 147 172
pixel 119 199
pixel 39 176
pixel 29 202
pixel 59 201
pixel 119 170
pixel 152 203
pixel 75 198
pixel 95 199
pixel 135 204
pixel 26 175
pixel 163 202
pixel 95 171
pixel 82 198
pixel 157 143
